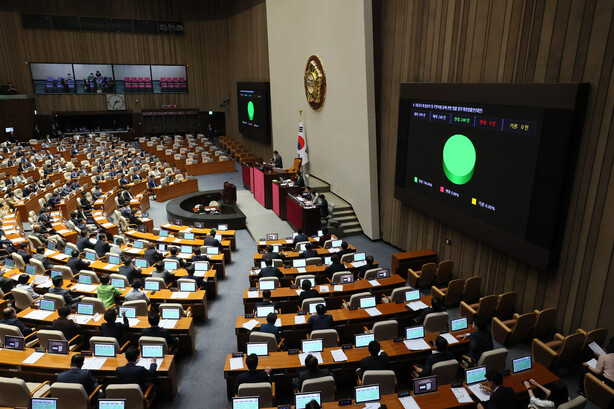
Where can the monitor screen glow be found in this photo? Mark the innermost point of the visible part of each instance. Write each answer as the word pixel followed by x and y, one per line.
pixel 170 313
pixel 312 345
pixel 302 399
pixel 258 348
pixel 104 350
pixel 367 393
pixel 414 332
pixel 367 302
pixel 362 340
pixel 475 375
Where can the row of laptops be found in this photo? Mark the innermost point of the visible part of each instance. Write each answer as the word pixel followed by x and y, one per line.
pixel 301 262
pixel 200 225
pixel 52 403
pixel 129 312
pixel 275 237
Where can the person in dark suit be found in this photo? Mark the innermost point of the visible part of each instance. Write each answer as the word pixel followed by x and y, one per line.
pixel 129 271
pixel 191 269
pixel 435 307
pixel 442 354
pixel 152 255
pixel 307 292
pixel 335 266
pixel 253 375
pixel 68 327
pixel 154 330
pixel 300 182
pixel 480 341
pixel 266 300
pixel 9 317
pixel 300 237
pixel 102 247
pixel 151 183
pixel 75 263
pixel 123 181
pixel 376 361
pixel 309 252
pixel 84 242
pixel 501 397
pixel 270 271
pixel 308 194
pixel 323 206
pixel 270 327
pixel 270 254
pixel 198 256
pixel 131 373
pixel 85 204
pixel 321 320
pixel 174 256
pixel 210 240
pixel 276 159
pixel 57 282
pixel 345 249
pixel 113 329
pixel 312 371
pixel 324 237
pixel 77 375
pixel 23 252
pixel 366 267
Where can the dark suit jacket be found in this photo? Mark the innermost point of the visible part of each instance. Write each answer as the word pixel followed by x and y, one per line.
pixel 272 256
pixel 130 373
pixel 502 398
pixel 312 293
pixel 300 238
pixel 270 272
pixel 316 322
pixel 479 342
pixel 159 332
pixel 16 323
pixel 433 359
pixel 84 243
pixel 255 376
pixel 309 253
pixel 64 293
pixel 68 327
pixel 333 268
pixel 130 272
pixel 307 374
pixel 102 248
pixel 115 330
pixel 76 264
pixel 82 376
pixel 373 363
pixel 271 329
pixel 152 256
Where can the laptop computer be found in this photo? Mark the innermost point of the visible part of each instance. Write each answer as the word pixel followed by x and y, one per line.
pixel 30 269
pixel 383 273
pixel 85 309
pixel 85 279
pixel 90 255
pixel 170 313
pixel 140 263
pixel 346 278
pixel 367 302
pixel 366 393
pixel 312 345
pixel 246 402
pixel 213 251
pixel 161 247
pixel 458 324
pixel 276 248
pixel 14 342
pixel 163 233
pixel 412 295
pixel 138 244
pixel 522 363
pixel 111 404
pixel 336 243
pixel 428 384
pixel 272 236
pixel 328 260
pixel 152 285
pixel 51 245
pixel 258 348
pixel 142 229
pixel 475 375
pixel 103 349
pixel 363 340
pixel 188 236
pixel 299 262
pixel 47 305
pixel 264 310
pixel 186 249
pixel 201 266
pixel 171 265
pixel 128 312
pixel 152 351
pixel 187 287
pixel 58 347
pixel 55 273
pixel 115 260
pixel 360 256
pixel 43 403
pixel 302 399
pixel 414 332
pixel 118 283
pixel 266 285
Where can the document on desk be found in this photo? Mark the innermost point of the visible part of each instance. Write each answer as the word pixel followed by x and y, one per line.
pixel 278 322
pixel 374 283
pixel 63 231
pixel 236 363
pixel 339 355
pixel 592 363
pixel 462 396
pixel 373 311
pixel 338 287
pixel 177 241
pixel 46 284
pixel 417 305
pixel 168 324
pixel 416 344
pixel 357 264
pixel 180 294
pixel 300 319
pixel 261 243
pixel 40 279
pixel 372 405
pixel 38 315
pixel 301 269
pixel 450 338
pixel 109 267
pixel 479 393
pixel 82 319
pixel 84 288
pixel 62 256
pixel 289 241
pixel 298 292
pixel 302 357
pixel 253 294
pixel 132 251
pixel 596 348
pixel 250 325
pixel 33 358
pixel 146 363
pixel 97 317
pixel 409 402
pixel 93 363
pixel 324 289
pixel 334 249
pixel 48 252
pixel 133 322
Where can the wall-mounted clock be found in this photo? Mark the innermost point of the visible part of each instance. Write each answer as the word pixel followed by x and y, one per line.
pixel 116 102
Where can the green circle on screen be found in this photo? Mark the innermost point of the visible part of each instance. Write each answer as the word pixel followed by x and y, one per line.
pixel 459 158
pixel 250 110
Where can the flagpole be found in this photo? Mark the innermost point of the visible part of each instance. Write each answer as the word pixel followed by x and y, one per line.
pixel 300 119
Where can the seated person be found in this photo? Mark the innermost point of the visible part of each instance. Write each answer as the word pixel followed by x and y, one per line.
pixel 435 307
pixel 270 271
pixel 300 237
pixel 152 255
pixel 23 252
pixel 113 329
pixel 102 247
pixel 345 249
pixel 154 330
pixel 210 240
pixel 40 256
pixel 200 282
pixel 174 256
pixel 552 397
pixel 68 327
pixel 136 292
pixel 309 252
pixel 107 292
pixel 604 369
pixel 323 206
pixel 131 373
pixel 369 266
pixel 129 271
pixel 9 317
pixel 307 292
pixel 335 266
pixel 501 397
pixel 22 284
pixel 57 282
pixel 84 242
pixel 161 272
pixel 376 361
pixel 311 372
pixel 270 327
pixel 77 375
pixel 442 354
pixel 270 254
pixel 198 256
pixel 75 263
pixel 320 320
pixel 266 300
pixel 480 341
pixel 253 375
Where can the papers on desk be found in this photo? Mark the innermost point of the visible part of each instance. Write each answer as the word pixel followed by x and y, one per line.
pixel 479 393
pixel 189 229
pixel 85 288
pixel 302 357
pixel 48 252
pixel 38 315
pixel 339 355
pixel 289 241
pixel 338 287
pixel 301 269
pixel 33 358
pixel 180 294
pixel 373 311
pixel 253 294
pixel 450 338
pixel 63 231
pixel 417 305
pixel 596 348
pixel 261 242
pixel 133 322
pixel 298 291
pixel 168 324
pixel 146 363
pixel 109 267
pixel 408 402
pixel 97 317
pixel 40 279
pixel 300 319
pixel 462 396
pixel 592 363
pixel 177 241
pixel 334 249
pixel 107 225
pixel 81 319
pixel 62 256
pixel 374 283
pixel 357 264
pixel 416 344
pixel 45 284
pixel 132 251
pixel 250 325
pixel 236 363
pixel 278 322
pixel 372 405
pixel 93 363
pixel 324 289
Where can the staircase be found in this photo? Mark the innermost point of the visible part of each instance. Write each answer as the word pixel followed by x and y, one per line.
pixel 343 213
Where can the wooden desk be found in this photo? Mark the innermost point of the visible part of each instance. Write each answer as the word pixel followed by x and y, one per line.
pixel 286 297
pixel 296 254
pixel 290 274
pixel 226 234
pixel 287 244
pixel 173 190
pixel 207 168
pixel 401 262
pixel 300 216
pixel 279 192
pixel 50 365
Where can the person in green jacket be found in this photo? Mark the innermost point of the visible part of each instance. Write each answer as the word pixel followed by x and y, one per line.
pixel 107 292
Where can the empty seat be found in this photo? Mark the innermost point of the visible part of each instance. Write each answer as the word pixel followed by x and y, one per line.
pixel 506 305
pixel 16 392
pixel 562 351
pixel 451 295
pixel 325 385
pixel 444 272
pixel 386 380
pixel 513 331
pixel 422 278
pixel 598 392
pixel 329 337
pixel 385 330
pixel 436 321
pixel 485 308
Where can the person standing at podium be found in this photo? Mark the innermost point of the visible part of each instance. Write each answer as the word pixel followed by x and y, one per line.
pixel 276 159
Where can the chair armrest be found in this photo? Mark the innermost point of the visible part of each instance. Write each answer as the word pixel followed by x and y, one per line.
pixel 28 336
pixel 344 304
pixel 438 293
pixel 94 392
pixel 78 336
pixel 308 336
pixel 280 344
pixel 516 315
pixel 149 396
pixel 273 390
pixel 581 331
pixel 542 353
pixel 385 297
pixel 123 347
pixel 38 387
pixel 500 331
pixel 559 337
pixel 114 306
pixel 367 330
pixel 358 380
pixel 188 312
pixel 5 294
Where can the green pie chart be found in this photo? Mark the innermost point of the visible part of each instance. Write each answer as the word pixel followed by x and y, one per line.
pixel 459 158
pixel 250 110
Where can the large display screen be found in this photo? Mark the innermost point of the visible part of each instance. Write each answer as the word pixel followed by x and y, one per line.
pixel 254 109
pixel 494 160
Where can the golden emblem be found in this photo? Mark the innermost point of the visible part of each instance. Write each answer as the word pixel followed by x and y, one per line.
pixel 315 83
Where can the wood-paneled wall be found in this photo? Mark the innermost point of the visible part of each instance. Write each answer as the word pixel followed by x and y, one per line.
pixel 510 41
pixel 223 42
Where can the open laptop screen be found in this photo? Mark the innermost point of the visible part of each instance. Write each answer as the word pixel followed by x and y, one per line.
pixel 424 385
pixel 312 345
pixel 367 393
pixel 104 350
pixel 170 313
pixel 111 404
pixel 14 342
pixel 363 340
pixel 56 346
pixel 152 351
pixel 302 399
pixel 522 363
pixel 367 302
pixel 258 348
pixel 250 402
pixel 43 403
pixel 414 332
pixel 458 324
pixel 475 375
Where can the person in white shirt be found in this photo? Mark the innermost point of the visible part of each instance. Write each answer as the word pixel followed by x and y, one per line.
pixel 552 397
pixel 137 293
pixel 23 285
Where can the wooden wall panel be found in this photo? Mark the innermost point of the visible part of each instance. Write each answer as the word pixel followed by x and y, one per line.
pixel 510 41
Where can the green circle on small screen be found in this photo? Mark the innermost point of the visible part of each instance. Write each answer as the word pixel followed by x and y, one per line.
pixel 250 110
pixel 459 158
